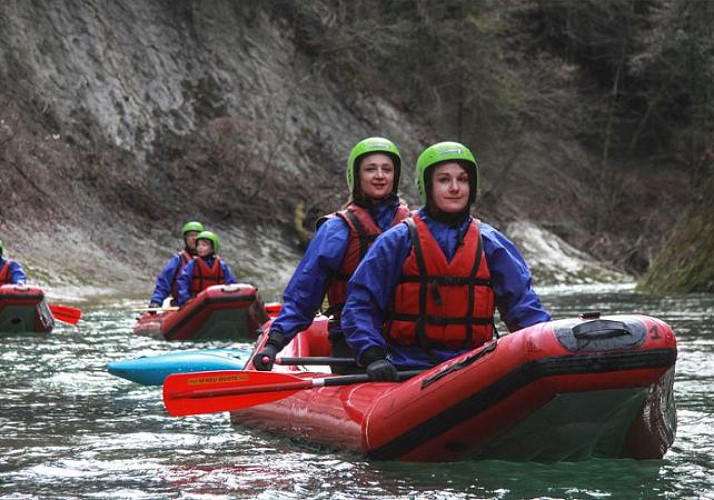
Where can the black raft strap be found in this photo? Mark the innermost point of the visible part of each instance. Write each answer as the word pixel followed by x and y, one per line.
pixel 459 365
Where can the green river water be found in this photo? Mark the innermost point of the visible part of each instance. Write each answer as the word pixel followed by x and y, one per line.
pixel 68 429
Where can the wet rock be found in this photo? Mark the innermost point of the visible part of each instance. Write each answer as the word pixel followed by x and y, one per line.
pixel 553 261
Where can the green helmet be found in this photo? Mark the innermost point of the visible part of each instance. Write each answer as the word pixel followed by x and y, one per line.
pixel 192 226
pixel 369 146
pixel 440 153
pixel 208 235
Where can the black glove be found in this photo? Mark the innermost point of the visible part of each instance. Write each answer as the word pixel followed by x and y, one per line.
pixel 264 359
pixel 382 371
pixel 154 305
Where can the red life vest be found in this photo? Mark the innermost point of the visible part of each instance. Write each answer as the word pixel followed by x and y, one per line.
pixel 440 303
pixel 363 232
pixel 5 278
pixel 185 259
pixel 204 276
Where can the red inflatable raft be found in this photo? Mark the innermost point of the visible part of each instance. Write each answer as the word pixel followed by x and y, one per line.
pixel 565 390
pixel 221 312
pixel 24 308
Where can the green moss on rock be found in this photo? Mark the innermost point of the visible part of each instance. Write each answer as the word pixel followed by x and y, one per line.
pixel 686 262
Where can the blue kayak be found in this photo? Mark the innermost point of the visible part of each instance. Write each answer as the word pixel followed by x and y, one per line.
pixel 152 370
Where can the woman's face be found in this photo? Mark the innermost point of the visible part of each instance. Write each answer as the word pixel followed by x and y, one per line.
pixel 450 187
pixel 190 238
pixel 204 248
pixel 376 176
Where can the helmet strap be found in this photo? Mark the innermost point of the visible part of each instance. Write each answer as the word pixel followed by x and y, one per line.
pixel 366 203
pixel 448 219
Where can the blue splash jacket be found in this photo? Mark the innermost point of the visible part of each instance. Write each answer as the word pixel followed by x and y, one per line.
pixel 306 289
pixel 15 273
pixel 165 280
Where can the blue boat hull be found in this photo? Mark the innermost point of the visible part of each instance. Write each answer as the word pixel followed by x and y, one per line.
pixel 152 370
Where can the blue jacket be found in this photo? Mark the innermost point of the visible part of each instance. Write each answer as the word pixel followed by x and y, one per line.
pixel 184 281
pixel 165 280
pixel 370 291
pixel 14 272
pixel 306 289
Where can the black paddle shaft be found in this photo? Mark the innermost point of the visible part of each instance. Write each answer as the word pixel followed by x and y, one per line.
pixel 317 360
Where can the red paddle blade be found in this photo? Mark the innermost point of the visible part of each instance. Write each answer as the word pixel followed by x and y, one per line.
pixel 273 309
pixel 66 314
pixel 217 391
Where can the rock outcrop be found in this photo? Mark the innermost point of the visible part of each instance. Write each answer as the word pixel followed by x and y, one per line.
pixel 119 121
pixel 552 260
pixel 686 263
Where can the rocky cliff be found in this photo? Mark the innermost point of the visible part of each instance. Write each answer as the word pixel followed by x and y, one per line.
pixel 121 120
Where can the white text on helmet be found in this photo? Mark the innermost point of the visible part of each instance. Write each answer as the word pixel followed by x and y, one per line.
pixel 451 151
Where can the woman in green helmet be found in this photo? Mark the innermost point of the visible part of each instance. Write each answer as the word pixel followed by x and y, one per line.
pixel 166 281
pixel 427 290
pixel 341 240
pixel 206 269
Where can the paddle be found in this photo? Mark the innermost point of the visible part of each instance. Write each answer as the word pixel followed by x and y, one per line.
pixel 212 392
pixel 316 360
pixel 66 314
pixel 156 309
pixel 273 309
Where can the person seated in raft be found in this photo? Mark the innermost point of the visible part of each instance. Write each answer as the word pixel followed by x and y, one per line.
pixel 427 289
pixel 340 241
pixel 11 272
pixel 166 281
pixel 205 270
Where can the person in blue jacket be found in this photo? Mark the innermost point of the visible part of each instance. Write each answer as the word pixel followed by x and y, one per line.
pixel 11 272
pixel 166 281
pixel 341 240
pixel 205 270
pixel 427 289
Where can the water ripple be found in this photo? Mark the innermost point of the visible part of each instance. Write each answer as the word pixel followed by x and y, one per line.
pixel 71 430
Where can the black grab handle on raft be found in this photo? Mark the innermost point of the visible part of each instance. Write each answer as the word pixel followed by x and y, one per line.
pixel 600 329
pixel 601 334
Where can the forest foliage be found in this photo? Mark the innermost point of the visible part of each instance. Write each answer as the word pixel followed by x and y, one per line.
pixel 607 101
pixel 641 70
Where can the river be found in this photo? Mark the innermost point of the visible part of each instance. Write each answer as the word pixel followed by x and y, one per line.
pixel 70 430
